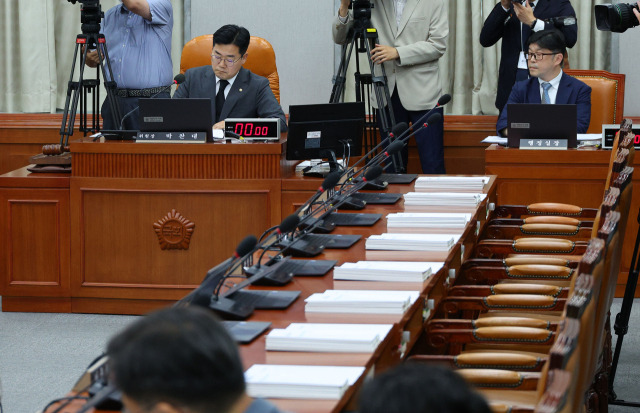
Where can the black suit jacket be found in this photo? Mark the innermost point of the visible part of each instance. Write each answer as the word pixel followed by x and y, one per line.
pixel 497 27
pixel 249 97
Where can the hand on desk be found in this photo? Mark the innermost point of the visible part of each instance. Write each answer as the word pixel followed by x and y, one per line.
pixel 219 125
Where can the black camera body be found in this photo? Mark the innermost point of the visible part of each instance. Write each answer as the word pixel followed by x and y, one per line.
pixel 615 17
pixel 361 9
pixel 91 15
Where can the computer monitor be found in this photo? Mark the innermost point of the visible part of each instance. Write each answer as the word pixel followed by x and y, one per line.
pixel 325 131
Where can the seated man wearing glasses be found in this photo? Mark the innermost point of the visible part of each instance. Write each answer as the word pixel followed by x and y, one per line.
pixel 235 92
pixel 548 83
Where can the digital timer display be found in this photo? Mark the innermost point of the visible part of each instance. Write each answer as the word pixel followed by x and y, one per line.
pixel 609 134
pixel 268 129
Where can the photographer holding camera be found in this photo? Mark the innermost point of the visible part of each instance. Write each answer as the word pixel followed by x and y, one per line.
pixel 514 21
pixel 412 37
pixel 138 36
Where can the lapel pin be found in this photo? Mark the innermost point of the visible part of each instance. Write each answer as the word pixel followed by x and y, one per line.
pixel 240 90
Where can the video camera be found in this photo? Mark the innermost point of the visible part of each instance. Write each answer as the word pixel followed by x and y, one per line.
pixel 90 15
pixel 615 17
pixel 361 9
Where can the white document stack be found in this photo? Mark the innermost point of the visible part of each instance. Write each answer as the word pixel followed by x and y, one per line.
pixel 361 301
pixel 341 338
pixel 300 382
pixel 442 201
pixel 419 222
pixel 387 271
pixel 451 183
pixel 446 199
pixel 412 242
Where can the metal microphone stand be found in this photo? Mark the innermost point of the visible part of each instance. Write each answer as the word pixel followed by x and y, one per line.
pixel 621 325
pixel 367 36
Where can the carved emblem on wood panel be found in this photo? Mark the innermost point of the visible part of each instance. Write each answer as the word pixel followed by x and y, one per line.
pixel 174 231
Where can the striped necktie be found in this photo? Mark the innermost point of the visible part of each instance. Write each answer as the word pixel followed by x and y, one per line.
pixel 545 92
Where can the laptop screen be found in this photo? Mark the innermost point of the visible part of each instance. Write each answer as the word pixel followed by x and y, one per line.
pixel 540 121
pixel 176 115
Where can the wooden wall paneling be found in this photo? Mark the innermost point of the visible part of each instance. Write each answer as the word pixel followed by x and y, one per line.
pixel 116 251
pixel 35 252
pixel 23 134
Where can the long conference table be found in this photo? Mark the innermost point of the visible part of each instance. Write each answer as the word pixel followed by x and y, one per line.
pixel 85 242
pixel 407 333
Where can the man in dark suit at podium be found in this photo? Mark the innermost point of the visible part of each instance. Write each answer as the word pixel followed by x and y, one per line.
pixel 235 92
pixel 514 22
pixel 548 83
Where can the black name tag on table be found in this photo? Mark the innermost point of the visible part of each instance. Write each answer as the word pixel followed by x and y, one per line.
pixel 172 137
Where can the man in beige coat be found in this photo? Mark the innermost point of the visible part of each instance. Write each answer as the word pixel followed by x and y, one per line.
pixel 412 36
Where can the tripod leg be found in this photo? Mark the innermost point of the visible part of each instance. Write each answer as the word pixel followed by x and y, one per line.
pixel 338 87
pixel 65 127
pixel 621 326
pixel 109 82
pixel 381 90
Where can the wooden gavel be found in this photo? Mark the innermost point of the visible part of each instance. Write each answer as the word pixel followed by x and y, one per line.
pixel 54 149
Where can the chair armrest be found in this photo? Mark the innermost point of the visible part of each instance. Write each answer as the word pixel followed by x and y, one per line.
pixel 515 321
pixel 503 248
pixel 514 302
pixel 492 275
pixel 503 360
pixel 504 379
pixel 544 208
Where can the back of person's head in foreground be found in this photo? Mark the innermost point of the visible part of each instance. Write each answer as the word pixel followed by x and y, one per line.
pixel 420 388
pixel 177 360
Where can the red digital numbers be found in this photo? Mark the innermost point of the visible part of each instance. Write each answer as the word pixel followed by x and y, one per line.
pixel 636 140
pixel 249 129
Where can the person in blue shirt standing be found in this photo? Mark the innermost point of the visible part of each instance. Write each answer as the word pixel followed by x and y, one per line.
pixel 138 37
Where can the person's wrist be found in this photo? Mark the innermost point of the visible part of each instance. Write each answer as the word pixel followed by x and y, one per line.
pixel 533 24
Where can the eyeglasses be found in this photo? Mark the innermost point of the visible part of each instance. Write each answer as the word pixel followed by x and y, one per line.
pixel 228 62
pixel 537 56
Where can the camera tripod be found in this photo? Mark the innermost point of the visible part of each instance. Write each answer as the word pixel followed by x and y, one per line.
pixel 621 325
pixel 367 36
pixel 88 86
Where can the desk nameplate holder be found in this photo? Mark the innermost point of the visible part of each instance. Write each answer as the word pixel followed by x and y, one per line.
pixel 544 144
pixel 172 137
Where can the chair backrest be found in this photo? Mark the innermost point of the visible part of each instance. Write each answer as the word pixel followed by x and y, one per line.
pixel 261 59
pixel 607 96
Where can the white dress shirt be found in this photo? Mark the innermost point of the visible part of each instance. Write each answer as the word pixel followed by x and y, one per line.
pixel 553 90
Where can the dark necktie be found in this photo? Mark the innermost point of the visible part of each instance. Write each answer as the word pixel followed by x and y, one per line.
pixel 220 98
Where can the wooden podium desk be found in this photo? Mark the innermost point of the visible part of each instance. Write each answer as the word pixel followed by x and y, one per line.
pixel 135 226
pixel 574 176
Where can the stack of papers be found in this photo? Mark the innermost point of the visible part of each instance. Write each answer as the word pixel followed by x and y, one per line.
pixel 411 242
pixel 341 338
pixel 451 183
pixel 415 220
pixel 446 199
pixel 300 382
pixel 317 165
pixel 389 271
pixel 361 301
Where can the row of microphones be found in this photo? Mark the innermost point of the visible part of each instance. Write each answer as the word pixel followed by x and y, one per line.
pixel 398 132
pixel 202 295
pixel 286 235
pixel 179 79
